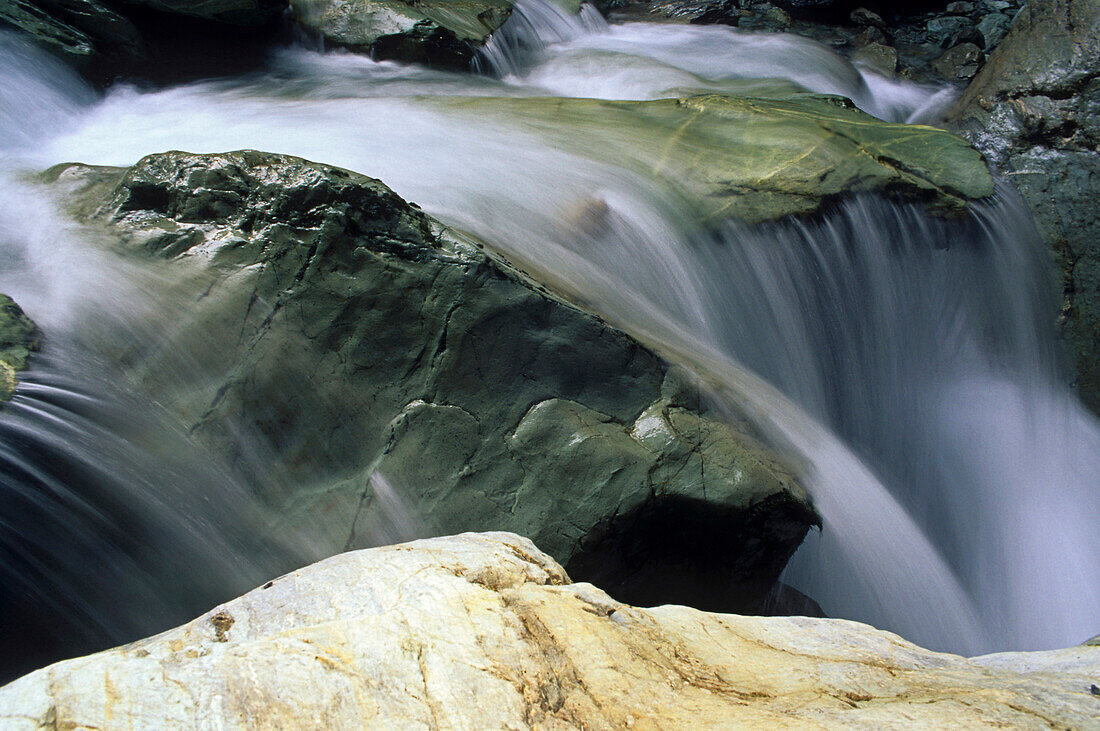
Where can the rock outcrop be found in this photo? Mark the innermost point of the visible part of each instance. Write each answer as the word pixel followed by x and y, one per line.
pixel 437 32
pixel 1035 111
pixel 485 631
pixel 19 337
pixel 758 159
pixel 362 345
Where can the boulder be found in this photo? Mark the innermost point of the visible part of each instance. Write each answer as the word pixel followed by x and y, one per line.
pixel 994 27
pixel 864 17
pixel 878 57
pixel 764 17
pixel 961 62
pixel 437 32
pixel 357 346
pixel 758 159
pixel 19 337
pixel 1034 110
pixel 486 631
pixel 946 28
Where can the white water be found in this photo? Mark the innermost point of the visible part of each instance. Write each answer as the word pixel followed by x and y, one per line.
pixel 907 362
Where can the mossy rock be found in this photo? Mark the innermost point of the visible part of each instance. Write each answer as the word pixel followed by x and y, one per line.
pixel 758 158
pixel 354 336
pixel 19 337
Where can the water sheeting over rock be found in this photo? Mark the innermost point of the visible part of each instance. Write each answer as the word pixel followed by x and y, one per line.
pixel 486 631
pixel 347 336
pixel 762 158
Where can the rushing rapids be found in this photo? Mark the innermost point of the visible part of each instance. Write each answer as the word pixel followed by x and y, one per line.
pixel 908 361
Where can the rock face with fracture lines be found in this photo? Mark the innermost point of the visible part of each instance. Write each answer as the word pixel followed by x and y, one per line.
pixel 327 331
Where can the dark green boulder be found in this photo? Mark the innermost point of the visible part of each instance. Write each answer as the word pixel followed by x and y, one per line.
pixel 396 372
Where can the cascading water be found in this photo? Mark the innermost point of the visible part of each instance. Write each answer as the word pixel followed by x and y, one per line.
pixel 907 361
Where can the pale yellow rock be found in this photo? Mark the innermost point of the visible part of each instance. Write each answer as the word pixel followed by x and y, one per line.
pixel 484 631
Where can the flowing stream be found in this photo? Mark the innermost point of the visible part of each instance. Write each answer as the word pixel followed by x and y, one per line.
pixel 908 362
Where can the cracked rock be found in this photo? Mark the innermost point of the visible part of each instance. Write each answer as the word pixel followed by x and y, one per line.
pixel 325 333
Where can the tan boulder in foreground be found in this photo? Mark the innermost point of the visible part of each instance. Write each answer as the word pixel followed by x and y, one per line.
pixel 485 631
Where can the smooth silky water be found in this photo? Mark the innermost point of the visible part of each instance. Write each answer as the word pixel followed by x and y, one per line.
pixel 907 364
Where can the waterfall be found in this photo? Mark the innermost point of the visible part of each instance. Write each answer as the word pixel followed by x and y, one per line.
pixel 908 362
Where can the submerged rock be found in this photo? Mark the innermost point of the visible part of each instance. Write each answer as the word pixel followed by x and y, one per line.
pixel 372 351
pixel 436 32
pixel 1035 110
pixel 19 337
pixel 759 159
pixel 486 631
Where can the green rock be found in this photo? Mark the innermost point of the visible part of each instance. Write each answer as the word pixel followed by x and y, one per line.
pixel 757 159
pixel 19 337
pixel 357 337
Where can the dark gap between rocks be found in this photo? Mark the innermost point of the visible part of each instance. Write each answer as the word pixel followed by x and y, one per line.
pixel 679 550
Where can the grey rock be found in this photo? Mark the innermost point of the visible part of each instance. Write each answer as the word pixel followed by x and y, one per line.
pixel 960 8
pixel 871 35
pixel 437 32
pixel 961 62
pixel 994 27
pixel 863 16
pixel 877 56
pixel 946 26
pixel 1033 110
pixel 765 17
pixel 951 30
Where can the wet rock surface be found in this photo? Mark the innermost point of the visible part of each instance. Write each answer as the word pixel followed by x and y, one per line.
pixel 485 630
pixel 759 159
pixel 19 337
pixel 437 32
pixel 374 352
pixel 1035 111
